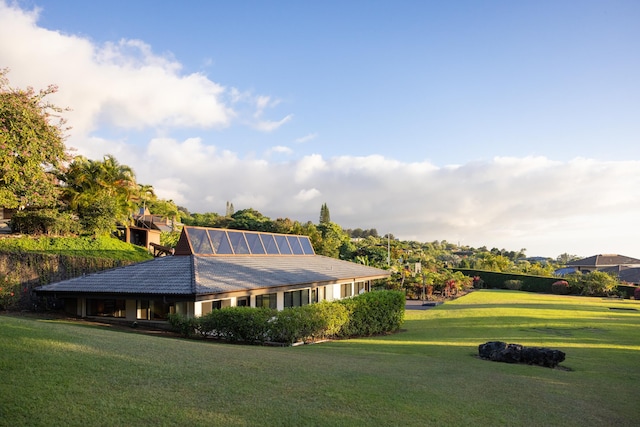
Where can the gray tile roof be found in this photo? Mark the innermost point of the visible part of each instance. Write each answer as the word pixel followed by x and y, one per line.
pixel 604 261
pixel 202 275
pixel 163 276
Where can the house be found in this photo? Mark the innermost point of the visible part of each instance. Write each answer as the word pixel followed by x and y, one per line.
pixel 146 229
pixel 214 268
pixel 601 262
pixel 625 268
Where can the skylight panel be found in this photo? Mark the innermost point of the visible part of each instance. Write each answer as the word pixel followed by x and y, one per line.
pixel 255 244
pixel 238 242
pixel 283 245
pixel 270 244
pixel 306 245
pixel 199 241
pixel 296 248
pixel 220 242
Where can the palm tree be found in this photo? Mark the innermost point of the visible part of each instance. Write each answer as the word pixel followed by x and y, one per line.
pixel 100 191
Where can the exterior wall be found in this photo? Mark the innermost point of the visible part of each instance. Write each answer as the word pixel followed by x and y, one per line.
pixel 136 313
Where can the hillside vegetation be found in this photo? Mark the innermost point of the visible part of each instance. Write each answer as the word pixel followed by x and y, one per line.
pixel 98 247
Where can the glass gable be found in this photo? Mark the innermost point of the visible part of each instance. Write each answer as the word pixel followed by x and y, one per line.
pixel 216 241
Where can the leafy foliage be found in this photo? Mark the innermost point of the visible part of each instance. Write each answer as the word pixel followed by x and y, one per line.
pixel 367 314
pixel 31 146
pixel 44 221
pixel 595 283
pixel 373 313
pixel 101 247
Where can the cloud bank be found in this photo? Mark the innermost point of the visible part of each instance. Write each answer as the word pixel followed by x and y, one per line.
pixel 120 90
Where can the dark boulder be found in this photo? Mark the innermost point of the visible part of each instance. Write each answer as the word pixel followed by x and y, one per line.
pixel 499 351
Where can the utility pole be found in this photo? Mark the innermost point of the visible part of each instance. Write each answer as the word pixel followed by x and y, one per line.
pixel 388 250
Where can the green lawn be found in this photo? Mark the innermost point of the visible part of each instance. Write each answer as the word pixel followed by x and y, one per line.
pixel 65 373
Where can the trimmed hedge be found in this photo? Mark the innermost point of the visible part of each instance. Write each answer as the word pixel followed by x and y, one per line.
pixel 496 280
pixel 373 313
pixel 628 291
pixel 364 315
pixel 245 324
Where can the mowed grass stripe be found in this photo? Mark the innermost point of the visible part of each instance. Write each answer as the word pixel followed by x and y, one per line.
pixel 65 373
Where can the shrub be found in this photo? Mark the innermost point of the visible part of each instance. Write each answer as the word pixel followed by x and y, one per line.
pixel 514 285
pixel 290 326
pixel 185 326
pixel 234 324
pixel 373 313
pixel 595 284
pixel 561 287
pixel 44 221
pixel 9 292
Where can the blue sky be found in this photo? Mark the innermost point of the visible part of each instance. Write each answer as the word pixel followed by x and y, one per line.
pixel 498 123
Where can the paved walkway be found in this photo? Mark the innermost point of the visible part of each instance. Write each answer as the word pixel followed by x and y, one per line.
pixel 412 304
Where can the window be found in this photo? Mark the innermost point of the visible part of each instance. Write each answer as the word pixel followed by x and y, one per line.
pixel 243 302
pixel 296 298
pixel 106 307
pixel 360 288
pixel 328 293
pixel 267 300
pixel 345 290
pixel 153 309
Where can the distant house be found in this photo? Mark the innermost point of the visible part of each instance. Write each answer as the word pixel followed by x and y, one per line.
pixel 215 268
pixel 600 262
pixel 627 269
pixel 6 214
pixel 146 229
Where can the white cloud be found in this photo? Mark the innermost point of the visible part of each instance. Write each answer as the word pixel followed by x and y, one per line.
pixel 121 84
pixel 306 138
pixel 280 149
pixel 270 126
pixel 546 206
pixel 307 194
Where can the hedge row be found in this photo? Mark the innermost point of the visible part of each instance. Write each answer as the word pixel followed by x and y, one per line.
pixel 496 280
pixel 364 315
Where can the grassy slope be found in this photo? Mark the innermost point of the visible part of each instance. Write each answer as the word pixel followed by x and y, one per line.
pixel 101 247
pixel 56 373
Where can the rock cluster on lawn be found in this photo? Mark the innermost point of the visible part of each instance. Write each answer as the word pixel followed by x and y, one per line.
pixel 499 351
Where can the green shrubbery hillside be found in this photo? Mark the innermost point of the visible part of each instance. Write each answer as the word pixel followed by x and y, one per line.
pixel 99 247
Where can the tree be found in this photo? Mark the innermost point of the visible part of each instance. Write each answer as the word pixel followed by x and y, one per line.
pixel 102 193
pixel 251 219
pixel 31 146
pixel 230 210
pixel 325 217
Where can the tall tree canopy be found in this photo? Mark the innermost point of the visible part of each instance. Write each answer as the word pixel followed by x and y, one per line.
pixel 102 193
pixel 31 146
pixel 325 217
